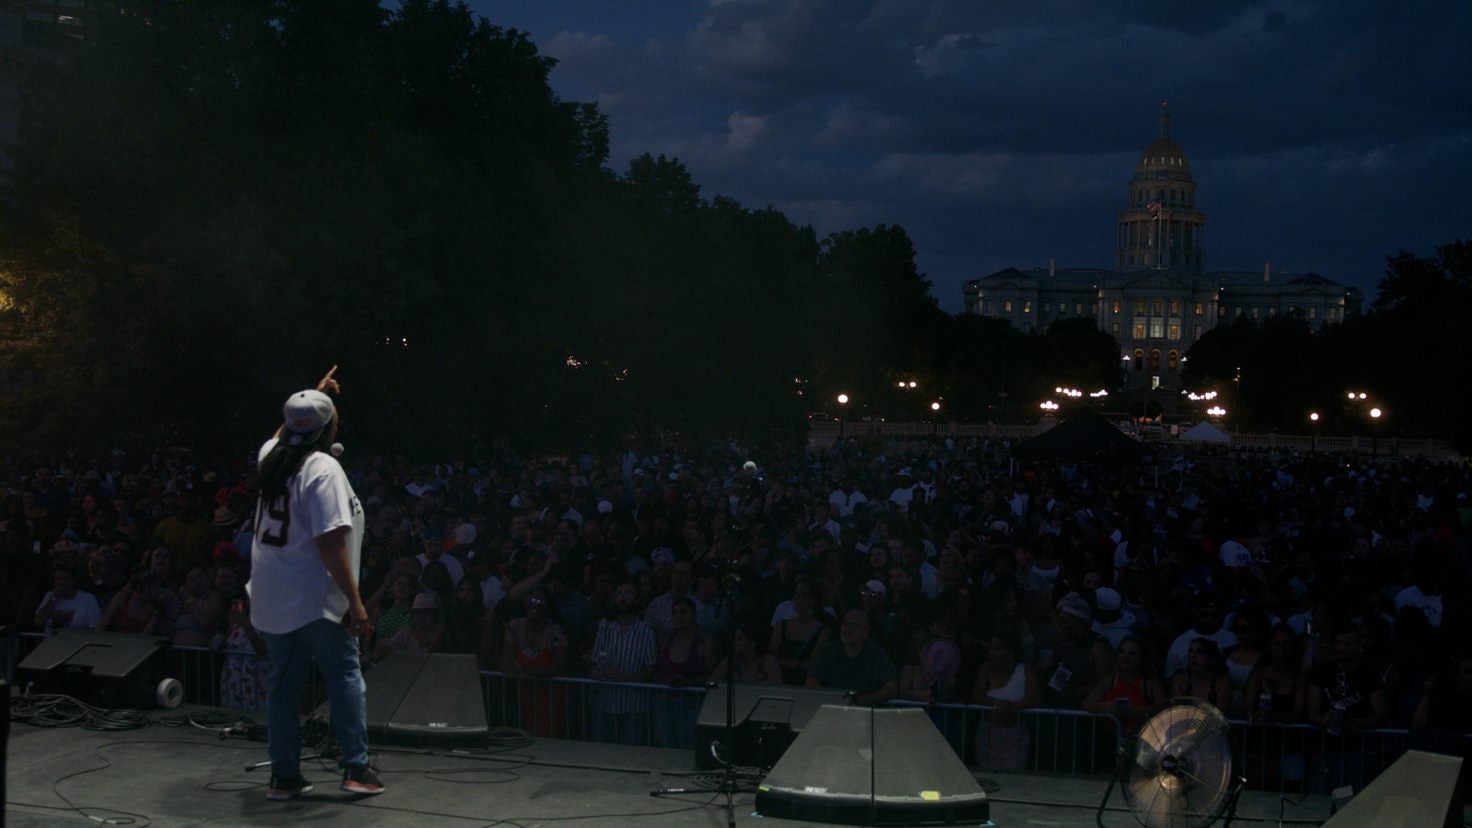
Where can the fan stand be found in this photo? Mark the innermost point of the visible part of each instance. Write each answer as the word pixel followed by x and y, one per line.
pixel 1227 812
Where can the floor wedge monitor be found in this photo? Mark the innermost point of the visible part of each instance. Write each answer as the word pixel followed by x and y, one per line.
pixel 424 699
pixel 867 766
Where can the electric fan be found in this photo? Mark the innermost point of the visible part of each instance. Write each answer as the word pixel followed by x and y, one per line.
pixel 1177 772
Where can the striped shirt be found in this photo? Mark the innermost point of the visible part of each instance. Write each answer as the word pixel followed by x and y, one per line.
pixel 629 650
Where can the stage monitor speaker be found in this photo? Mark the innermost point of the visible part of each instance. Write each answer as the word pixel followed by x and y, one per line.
pixel 767 717
pixel 866 766
pixel 108 669
pixel 1419 790
pixel 425 699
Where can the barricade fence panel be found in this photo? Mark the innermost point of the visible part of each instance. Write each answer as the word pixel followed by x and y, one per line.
pixel 1281 758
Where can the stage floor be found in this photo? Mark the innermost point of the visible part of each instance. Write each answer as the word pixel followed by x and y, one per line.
pixel 181 776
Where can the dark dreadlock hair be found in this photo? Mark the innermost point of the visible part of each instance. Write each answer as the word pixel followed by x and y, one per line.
pixel 284 459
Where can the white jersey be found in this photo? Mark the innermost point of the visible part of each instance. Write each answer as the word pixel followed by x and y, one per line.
pixel 289 585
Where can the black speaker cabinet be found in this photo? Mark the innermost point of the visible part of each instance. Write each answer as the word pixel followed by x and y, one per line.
pixel 108 669
pixel 424 699
pixel 767 718
pixel 866 766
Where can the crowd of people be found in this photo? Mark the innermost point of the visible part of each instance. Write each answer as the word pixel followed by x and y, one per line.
pixel 1277 586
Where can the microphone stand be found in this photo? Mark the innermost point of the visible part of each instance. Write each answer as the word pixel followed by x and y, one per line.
pixel 722 751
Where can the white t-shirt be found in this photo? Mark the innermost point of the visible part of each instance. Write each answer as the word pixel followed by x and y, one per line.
pixel 844 502
pixel 289 586
pixel 85 613
pixel 1412 596
pixel 1235 555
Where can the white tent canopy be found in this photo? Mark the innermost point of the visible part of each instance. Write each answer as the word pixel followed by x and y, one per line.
pixel 1204 432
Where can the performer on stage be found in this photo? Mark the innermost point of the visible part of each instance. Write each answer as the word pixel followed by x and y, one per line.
pixel 304 590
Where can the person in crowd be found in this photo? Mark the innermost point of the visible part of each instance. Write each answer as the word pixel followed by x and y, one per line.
pixel 684 652
pixel 1006 684
pixel 535 647
pixel 1205 676
pixel 1111 619
pixel 391 607
pixel 145 605
pixel 66 606
pixel 933 677
pixel 624 650
pixel 1251 627
pixel 659 613
pixel 1132 690
pixel 200 610
pixel 432 549
pixel 797 640
pixel 750 660
pixel 1206 623
pixel 303 588
pixel 466 621
pixel 1277 675
pixel 246 673
pixel 856 664
pixel 425 633
pixel 1345 698
pixel 187 534
pixel 1071 657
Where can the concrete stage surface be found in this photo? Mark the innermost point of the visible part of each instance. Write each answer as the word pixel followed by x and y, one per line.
pixel 183 776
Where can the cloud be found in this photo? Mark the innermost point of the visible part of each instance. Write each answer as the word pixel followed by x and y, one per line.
pixel 744 130
pixel 1322 133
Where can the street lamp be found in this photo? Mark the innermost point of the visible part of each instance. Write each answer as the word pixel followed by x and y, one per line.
pixel 1375 414
pixel 1313 419
pixel 934 418
pixel 842 408
pixel 1216 411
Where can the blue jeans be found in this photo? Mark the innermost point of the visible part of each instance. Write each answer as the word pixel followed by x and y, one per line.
pixel 291 655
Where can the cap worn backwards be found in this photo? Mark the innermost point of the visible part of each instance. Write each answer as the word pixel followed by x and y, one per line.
pixel 306 413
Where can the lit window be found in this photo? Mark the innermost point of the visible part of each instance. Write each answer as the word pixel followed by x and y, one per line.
pixel 1175 307
pixel 1139 330
pixel 1006 306
pixel 1139 307
pixel 1157 328
pixel 1078 308
pixel 1027 306
pixel 1173 331
pixel 1200 309
pixel 1157 307
pixel 1114 307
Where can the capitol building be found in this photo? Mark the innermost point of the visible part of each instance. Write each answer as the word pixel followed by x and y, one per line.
pixel 1158 299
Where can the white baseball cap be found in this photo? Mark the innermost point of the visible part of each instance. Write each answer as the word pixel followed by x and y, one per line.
pixel 306 413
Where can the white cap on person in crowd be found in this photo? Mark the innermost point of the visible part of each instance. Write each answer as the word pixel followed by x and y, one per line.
pixel 1107 599
pixel 426 601
pixel 874 587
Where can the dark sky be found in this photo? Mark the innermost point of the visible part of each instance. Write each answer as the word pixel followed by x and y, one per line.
pixel 1323 135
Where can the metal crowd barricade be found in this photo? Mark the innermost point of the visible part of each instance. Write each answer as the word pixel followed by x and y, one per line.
pixel 1297 758
pixel 652 715
pixel 1286 759
pixel 1036 740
